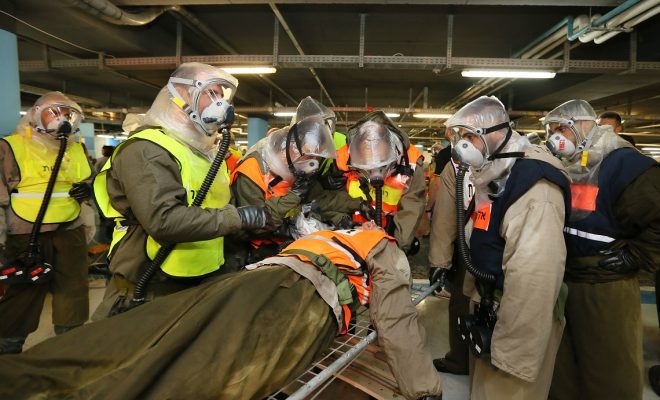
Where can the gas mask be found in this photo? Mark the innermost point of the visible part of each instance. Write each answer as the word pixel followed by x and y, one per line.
pixel 464 151
pixel 308 143
pixel 56 119
pixel 559 143
pixel 560 146
pixel 210 106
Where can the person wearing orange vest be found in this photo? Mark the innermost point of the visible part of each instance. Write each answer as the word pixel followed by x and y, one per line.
pixel 378 154
pixel 26 159
pixel 277 172
pixel 150 183
pixel 242 336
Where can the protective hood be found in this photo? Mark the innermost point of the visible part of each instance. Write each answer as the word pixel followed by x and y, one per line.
pixel 485 118
pixel 585 166
pixel 309 107
pixel 52 115
pixel 183 105
pixel 374 151
pixel 309 142
pixel 576 118
pixel 380 118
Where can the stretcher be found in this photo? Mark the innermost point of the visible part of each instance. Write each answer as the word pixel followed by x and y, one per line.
pixel 341 357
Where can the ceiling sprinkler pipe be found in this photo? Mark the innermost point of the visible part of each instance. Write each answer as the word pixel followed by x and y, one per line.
pixel 602 20
pixel 629 25
pixel 618 20
pixel 115 15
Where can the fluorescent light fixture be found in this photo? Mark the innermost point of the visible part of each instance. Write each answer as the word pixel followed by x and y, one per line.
pixel 105 136
pixel 241 142
pixel 285 114
pixel 249 70
pixel 393 115
pixel 482 73
pixel 432 116
pixel 22 112
pixel 650 148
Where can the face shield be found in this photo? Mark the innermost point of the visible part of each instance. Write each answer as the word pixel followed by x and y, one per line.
pixel 309 107
pixel 209 104
pixel 309 143
pixel 56 115
pixel 373 152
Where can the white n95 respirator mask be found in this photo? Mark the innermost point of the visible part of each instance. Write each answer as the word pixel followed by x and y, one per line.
pixel 559 145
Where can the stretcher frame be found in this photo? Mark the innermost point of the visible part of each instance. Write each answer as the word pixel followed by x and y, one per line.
pixel 340 355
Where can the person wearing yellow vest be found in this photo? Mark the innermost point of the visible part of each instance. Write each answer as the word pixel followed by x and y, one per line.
pixel 242 336
pixel 152 179
pixel 277 172
pixel 377 152
pixel 26 159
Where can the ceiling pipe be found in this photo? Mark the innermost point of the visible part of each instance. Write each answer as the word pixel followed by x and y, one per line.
pixel 614 20
pixel 109 12
pixel 572 35
pixel 629 24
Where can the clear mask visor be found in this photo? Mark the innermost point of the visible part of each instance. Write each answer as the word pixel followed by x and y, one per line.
pixel 52 118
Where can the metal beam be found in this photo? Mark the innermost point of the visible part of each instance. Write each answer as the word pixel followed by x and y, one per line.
pixel 288 31
pixel 343 61
pixel 596 3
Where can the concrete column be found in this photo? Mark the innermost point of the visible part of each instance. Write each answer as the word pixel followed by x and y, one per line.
pixel 10 100
pixel 257 128
pixel 87 133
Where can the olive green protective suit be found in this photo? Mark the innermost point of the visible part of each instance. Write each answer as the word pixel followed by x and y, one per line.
pixel 144 184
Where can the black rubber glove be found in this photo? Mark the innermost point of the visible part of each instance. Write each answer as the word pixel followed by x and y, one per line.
pixel 345 222
pixel 415 245
pixel 254 217
pixel 620 261
pixel 439 275
pixel 333 178
pixel 301 185
pixel 80 191
pixel 367 211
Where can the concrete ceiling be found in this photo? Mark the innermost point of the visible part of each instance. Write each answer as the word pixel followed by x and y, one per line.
pixel 409 56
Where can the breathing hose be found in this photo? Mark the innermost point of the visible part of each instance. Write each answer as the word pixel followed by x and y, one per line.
pixel 33 243
pixel 378 188
pixel 139 294
pixel 463 250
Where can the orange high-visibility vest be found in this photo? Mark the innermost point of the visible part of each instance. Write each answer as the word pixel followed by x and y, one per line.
pixel 347 250
pixel 251 169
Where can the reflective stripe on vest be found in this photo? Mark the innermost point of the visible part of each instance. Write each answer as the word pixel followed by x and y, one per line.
pixel 188 259
pixel 35 162
pixel 587 235
pixel 360 241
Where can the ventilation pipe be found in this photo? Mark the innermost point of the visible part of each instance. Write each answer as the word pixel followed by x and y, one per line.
pixel 109 12
pixel 628 25
pixel 619 19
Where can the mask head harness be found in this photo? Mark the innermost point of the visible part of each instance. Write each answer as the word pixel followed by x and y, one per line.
pixel 459 149
pixel 559 144
pixel 218 114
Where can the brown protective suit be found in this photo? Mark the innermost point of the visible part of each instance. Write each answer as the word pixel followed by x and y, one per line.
pixel 441 255
pixel 240 336
pixel 145 185
pixel 601 352
pixel 528 331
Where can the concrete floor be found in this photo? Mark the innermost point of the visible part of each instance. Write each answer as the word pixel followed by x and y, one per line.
pixel 433 314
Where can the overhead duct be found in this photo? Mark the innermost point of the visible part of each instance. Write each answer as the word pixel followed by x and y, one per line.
pixel 619 19
pixel 628 25
pixel 107 11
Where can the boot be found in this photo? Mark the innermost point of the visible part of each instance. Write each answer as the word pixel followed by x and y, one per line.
pixel 60 329
pixel 441 366
pixel 12 345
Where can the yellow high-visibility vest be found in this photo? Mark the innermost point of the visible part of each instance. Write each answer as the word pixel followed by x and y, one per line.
pixel 188 259
pixel 35 162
